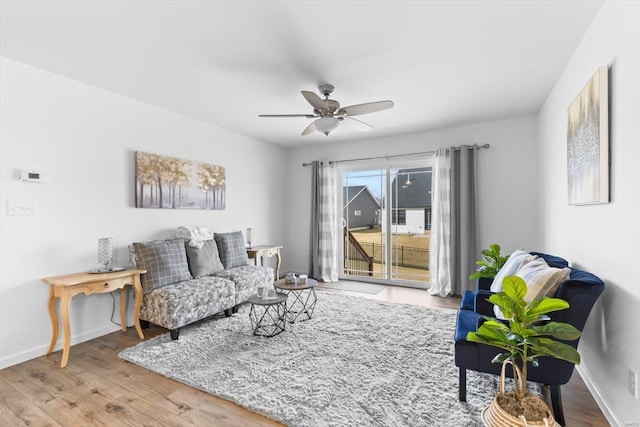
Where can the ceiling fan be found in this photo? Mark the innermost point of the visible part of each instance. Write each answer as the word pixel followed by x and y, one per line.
pixel 329 114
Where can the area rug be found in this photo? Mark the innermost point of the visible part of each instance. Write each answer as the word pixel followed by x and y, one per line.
pixel 363 288
pixel 357 362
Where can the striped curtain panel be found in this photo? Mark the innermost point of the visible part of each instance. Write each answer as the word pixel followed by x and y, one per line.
pixel 439 247
pixel 454 232
pixel 323 262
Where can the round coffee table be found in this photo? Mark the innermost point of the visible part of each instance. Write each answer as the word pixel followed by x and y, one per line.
pixel 304 298
pixel 268 314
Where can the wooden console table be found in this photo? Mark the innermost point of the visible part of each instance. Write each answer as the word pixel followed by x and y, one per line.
pixel 66 287
pixel 265 251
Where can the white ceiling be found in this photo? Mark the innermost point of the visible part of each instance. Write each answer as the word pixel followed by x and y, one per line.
pixel 224 62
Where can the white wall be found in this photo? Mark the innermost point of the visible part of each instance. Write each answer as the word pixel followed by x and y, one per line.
pixel 603 239
pixel 84 139
pixel 508 176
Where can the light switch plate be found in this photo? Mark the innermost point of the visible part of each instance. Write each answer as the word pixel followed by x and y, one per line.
pixel 21 207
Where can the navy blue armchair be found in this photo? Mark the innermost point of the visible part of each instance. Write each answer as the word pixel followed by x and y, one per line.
pixel 580 290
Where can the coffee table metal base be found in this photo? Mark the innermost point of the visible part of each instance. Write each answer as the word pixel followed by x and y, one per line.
pixel 268 320
pixel 304 302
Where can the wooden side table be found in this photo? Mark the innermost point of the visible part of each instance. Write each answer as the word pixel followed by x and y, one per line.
pixel 265 251
pixel 66 287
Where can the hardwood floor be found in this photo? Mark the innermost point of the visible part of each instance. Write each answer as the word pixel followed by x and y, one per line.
pixel 99 389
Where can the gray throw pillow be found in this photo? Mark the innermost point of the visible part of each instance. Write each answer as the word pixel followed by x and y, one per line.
pixel 165 262
pixel 204 261
pixel 231 249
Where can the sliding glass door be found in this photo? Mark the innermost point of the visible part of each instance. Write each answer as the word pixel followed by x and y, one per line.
pixel 386 222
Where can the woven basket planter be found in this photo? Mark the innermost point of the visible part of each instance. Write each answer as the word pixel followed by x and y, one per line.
pixel 494 416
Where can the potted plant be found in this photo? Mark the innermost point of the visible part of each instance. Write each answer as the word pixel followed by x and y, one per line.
pixel 527 335
pixel 490 263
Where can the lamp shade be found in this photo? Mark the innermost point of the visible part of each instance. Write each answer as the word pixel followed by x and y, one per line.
pixel 326 125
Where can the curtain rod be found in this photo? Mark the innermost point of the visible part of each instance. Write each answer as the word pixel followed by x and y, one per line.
pixel 399 155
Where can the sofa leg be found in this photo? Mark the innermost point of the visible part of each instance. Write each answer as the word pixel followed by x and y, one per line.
pixel 234 310
pixel 556 403
pixel 144 324
pixel 227 312
pixel 462 385
pixel 175 333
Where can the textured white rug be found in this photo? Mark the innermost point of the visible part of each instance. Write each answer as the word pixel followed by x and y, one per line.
pixel 357 362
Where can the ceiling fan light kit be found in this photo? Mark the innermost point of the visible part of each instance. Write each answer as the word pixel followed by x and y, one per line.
pixel 326 124
pixel 329 114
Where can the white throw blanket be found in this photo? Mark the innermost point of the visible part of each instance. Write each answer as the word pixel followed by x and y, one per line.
pixel 195 234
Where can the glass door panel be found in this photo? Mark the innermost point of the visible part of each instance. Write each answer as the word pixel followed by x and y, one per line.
pixel 364 244
pixel 410 205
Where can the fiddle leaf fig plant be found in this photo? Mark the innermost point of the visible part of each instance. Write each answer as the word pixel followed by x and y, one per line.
pixel 528 333
pixel 490 263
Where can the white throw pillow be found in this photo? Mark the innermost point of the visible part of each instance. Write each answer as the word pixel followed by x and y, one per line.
pixel 516 260
pixel 541 280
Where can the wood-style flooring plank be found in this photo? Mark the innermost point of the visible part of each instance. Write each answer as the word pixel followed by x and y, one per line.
pixel 15 410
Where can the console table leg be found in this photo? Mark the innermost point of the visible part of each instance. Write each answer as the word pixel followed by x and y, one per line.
pixel 138 304
pixel 65 302
pixel 123 309
pixel 53 315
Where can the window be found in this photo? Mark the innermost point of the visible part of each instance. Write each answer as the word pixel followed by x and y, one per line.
pixel 399 217
pixel 427 219
pixel 357 213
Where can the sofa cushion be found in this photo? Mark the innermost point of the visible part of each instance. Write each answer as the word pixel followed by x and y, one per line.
pixel 204 261
pixel 231 249
pixel 165 262
pixel 179 304
pixel 248 276
pixel 516 260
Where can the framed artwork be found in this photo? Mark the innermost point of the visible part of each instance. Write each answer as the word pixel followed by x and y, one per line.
pixel 170 183
pixel 588 142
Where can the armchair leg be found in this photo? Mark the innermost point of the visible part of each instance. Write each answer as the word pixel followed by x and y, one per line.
pixel 462 385
pixel 556 403
pixel 175 333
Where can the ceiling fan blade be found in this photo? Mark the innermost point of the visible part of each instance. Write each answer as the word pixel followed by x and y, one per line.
pixel 309 116
pixel 369 107
pixel 309 129
pixel 315 101
pixel 355 124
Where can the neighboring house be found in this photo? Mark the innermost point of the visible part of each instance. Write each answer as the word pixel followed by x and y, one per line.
pixel 411 203
pixel 359 207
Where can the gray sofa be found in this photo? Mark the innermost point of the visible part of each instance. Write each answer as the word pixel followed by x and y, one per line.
pixel 184 284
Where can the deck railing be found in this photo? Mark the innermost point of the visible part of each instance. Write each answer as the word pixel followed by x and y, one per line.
pixel 356 259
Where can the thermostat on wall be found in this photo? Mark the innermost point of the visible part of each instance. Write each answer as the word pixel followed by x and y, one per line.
pixel 31 175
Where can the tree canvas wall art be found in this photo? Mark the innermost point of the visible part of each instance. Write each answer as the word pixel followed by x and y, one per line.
pixel 170 183
pixel 588 143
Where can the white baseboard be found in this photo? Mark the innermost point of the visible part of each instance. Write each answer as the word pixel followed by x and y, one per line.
pixel 602 404
pixel 40 350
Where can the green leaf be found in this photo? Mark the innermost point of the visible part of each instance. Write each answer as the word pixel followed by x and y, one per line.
pixel 558 350
pixel 495 248
pixel 548 305
pixel 559 330
pixel 514 287
pixel 474 337
pixel 502 357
